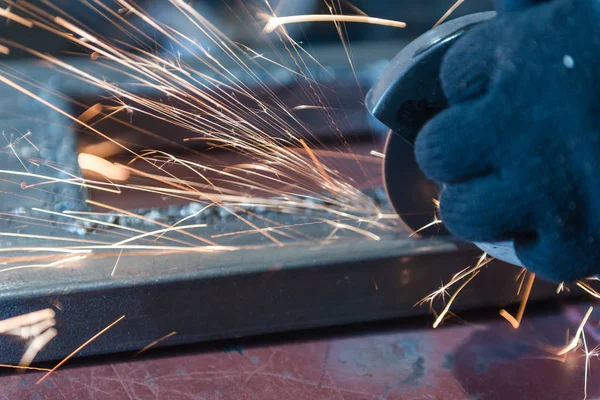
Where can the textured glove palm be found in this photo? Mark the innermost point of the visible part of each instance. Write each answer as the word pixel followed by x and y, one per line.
pixel 519 146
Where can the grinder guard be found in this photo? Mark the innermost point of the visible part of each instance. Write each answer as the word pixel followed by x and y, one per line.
pixel 406 96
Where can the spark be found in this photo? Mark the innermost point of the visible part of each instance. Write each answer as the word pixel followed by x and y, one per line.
pixel 12 149
pixel 275 22
pixel 318 165
pixel 54 264
pixel 269 228
pixel 64 239
pixel 134 215
pixel 116 263
pixel 436 221
pixel 23 367
pixel 26 319
pixel 47 249
pixel 449 12
pixel 312 107
pixel 36 345
pixel 447 308
pixel 521 276
pixel 377 154
pixel 561 288
pixel 363 232
pixel 27 332
pixel 103 149
pixel 208 106
pixel 90 113
pixel 179 228
pixel 49 179
pixel 103 167
pixel 198 249
pixel 4 50
pixel 37 326
pixel 193 215
pixel 4 12
pixel 100 222
pixel 21 89
pixel 575 341
pixel 516 321
pixel 443 290
pixel 154 343
pixel 67 358
pixel 588 289
pixel 340 155
pixel 512 320
pixel 332 234
pixel 587 365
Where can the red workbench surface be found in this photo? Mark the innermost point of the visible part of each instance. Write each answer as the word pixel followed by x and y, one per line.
pixel 482 358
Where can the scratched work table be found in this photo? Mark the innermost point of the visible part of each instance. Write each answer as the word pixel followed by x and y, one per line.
pixel 404 359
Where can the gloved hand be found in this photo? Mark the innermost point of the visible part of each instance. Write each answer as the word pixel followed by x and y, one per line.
pixel 513 5
pixel 519 146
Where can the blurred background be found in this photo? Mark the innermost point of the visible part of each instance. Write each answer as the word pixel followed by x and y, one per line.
pixel 235 18
pixel 342 84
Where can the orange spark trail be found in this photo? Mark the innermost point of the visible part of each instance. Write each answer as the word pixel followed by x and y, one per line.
pixel 67 358
pixel 377 154
pixel 318 165
pixel 588 289
pixel 24 368
pixel 37 345
pixel 90 113
pixel 275 22
pixel 447 308
pixel 103 167
pixel 150 345
pixel 179 228
pixel 27 332
pixel 27 319
pixel 130 214
pixel 516 321
pixel 575 341
pixel 435 221
pixel 14 17
pixel 449 12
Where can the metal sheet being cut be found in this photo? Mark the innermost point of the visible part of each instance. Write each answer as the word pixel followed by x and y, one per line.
pixel 204 297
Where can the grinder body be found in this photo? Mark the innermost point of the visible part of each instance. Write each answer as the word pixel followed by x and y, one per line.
pixel 406 96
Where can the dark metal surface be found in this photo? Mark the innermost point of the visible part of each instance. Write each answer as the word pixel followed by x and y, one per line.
pixel 226 295
pixel 485 359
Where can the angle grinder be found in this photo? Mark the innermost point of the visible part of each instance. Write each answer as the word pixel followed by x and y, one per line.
pixel 405 97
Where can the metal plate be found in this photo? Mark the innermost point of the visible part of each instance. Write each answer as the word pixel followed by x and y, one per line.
pixel 218 296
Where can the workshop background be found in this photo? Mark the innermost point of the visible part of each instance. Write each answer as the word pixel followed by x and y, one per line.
pixel 328 323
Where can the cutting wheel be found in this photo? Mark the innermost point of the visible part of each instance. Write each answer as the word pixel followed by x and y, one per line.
pixel 414 199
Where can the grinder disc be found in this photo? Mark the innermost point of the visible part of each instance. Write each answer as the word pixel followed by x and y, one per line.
pixel 413 200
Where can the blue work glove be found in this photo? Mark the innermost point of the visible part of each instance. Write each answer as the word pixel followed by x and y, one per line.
pixel 519 146
pixel 514 5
